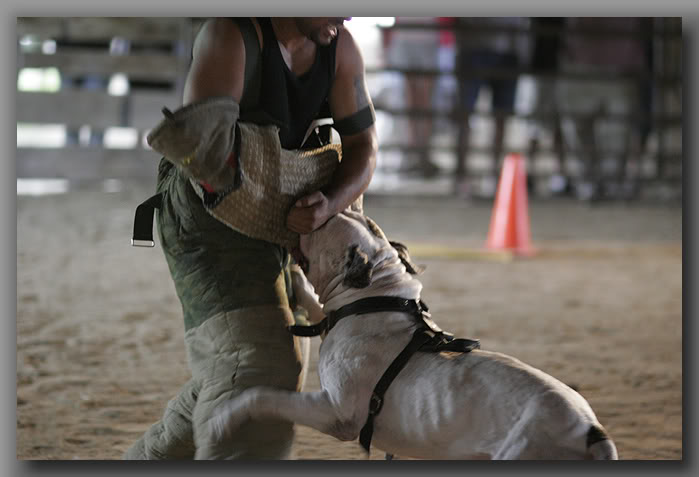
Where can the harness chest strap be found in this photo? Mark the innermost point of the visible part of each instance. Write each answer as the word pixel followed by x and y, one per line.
pixel 373 304
pixel 440 340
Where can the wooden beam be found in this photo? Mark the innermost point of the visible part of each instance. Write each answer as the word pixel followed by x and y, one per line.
pixel 73 108
pixel 79 163
pixel 137 66
pixel 93 108
pixel 136 29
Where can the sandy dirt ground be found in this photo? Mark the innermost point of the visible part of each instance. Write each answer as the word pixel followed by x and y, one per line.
pixel 100 336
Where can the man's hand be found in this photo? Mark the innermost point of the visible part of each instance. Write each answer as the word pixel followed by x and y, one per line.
pixel 308 213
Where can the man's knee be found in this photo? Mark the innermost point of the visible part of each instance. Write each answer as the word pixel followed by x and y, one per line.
pixel 229 354
pixel 254 439
pixel 259 439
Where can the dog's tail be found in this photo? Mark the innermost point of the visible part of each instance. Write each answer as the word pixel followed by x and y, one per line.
pixel 599 445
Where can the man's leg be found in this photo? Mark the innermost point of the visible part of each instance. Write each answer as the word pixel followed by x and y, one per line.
pixel 171 437
pixel 236 313
pixel 233 352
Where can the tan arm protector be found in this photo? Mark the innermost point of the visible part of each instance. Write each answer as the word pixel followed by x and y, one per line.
pixel 199 139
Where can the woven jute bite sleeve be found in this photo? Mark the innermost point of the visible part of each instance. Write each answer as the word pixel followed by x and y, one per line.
pixel 270 180
pixel 255 197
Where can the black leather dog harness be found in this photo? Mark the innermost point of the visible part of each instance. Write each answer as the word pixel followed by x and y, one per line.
pixel 427 338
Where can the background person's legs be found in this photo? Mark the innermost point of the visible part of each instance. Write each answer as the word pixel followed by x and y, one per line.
pixel 469 88
pixel 581 104
pixel 420 98
pixel 503 102
pixel 419 54
pixel 545 104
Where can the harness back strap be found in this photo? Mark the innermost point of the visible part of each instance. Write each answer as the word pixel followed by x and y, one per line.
pixel 420 337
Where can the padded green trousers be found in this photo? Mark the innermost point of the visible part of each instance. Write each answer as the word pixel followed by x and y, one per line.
pixel 234 292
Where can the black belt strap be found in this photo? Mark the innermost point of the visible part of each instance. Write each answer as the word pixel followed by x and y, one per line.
pixel 310 330
pixel 143 221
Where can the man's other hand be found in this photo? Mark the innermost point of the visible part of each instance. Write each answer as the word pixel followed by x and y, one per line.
pixel 308 213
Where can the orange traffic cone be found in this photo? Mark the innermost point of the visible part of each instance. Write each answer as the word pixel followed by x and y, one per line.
pixel 509 223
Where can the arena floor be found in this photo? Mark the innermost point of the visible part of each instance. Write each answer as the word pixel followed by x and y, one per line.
pixel 100 337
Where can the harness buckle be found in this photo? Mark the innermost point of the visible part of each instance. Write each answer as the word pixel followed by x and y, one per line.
pixel 375 404
pixel 431 324
pixel 422 307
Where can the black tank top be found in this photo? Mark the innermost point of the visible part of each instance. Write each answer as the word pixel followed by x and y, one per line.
pixel 291 101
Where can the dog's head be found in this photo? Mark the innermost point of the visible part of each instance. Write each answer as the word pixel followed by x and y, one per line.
pixel 347 245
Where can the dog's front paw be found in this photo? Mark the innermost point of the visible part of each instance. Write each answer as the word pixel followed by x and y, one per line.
pixel 228 417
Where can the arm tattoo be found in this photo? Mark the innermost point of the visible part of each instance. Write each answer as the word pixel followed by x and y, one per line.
pixel 360 94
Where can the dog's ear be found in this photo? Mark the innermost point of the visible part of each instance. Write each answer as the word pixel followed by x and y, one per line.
pixel 374 228
pixel 410 267
pixel 358 205
pixel 358 270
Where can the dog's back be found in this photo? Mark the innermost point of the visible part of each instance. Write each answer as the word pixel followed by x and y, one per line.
pixel 487 404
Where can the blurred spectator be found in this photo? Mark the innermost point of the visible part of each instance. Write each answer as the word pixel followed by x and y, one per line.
pixel 417 49
pixel 445 90
pixel 608 51
pixel 486 53
pixel 547 33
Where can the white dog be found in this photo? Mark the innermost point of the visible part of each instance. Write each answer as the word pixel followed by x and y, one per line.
pixel 475 405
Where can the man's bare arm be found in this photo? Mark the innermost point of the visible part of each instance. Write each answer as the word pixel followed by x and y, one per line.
pixel 218 63
pixel 348 96
pixel 213 87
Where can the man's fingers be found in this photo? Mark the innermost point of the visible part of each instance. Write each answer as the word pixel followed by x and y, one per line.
pixel 295 224
pixel 309 200
pixel 308 213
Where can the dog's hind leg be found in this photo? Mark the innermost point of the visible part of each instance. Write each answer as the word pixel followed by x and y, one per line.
pixel 528 441
pixel 518 442
pixel 312 409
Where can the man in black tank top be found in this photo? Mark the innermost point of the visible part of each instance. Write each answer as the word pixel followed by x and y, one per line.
pixel 234 291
